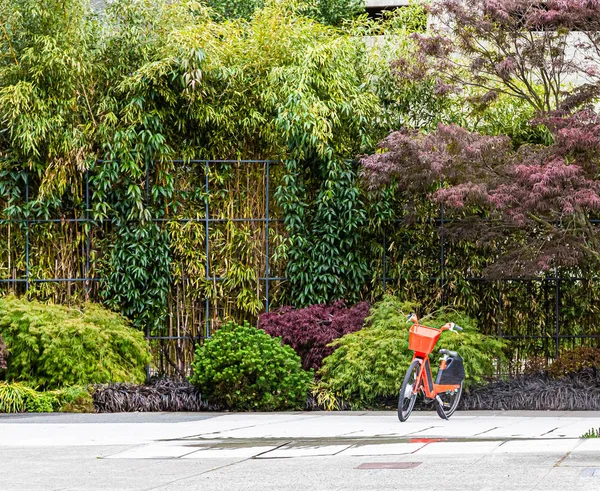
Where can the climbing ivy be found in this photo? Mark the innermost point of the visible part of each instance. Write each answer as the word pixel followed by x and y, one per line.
pixel 323 115
pixel 324 259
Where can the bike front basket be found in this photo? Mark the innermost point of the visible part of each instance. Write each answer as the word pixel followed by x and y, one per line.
pixel 422 339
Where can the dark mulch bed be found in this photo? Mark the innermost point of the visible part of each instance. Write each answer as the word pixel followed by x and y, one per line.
pixel 576 392
pixel 160 395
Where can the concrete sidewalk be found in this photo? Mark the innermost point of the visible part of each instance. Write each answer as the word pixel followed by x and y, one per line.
pixel 369 451
pixel 141 428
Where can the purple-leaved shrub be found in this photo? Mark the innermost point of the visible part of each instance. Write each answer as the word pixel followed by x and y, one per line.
pixel 3 354
pixel 309 330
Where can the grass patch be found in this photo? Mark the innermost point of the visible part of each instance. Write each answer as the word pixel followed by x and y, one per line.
pixel 593 433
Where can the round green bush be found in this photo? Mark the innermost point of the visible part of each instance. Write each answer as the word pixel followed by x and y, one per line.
pixel 242 367
pixel 54 346
pixel 372 362
pixel 41 402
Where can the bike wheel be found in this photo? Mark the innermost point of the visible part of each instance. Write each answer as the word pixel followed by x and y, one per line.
pixel 406 400
pixel 449 403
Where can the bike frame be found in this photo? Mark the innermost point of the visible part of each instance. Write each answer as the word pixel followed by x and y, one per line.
pixel 425 379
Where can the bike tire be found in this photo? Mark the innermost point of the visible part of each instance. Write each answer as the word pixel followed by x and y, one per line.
pixel 450 403
pixel 406 404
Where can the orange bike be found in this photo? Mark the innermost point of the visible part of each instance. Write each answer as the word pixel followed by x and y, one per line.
pixel 447 389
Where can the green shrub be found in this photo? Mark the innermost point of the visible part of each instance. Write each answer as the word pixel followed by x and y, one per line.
pixel 371 363
pixel 75 399
pixel 13 397
pixel 18 398
pixel 40 402
pixel 54 346
pixel 333 12
pixel 242 367
pixel 574 360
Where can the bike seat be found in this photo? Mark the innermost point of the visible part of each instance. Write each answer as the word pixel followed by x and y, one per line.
pixel 453 354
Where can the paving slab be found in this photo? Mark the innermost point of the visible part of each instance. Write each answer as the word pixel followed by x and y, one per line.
pixel 162 450
pixel 300 450
pixel 229 453
pixel 382 449
pixel 455 448
pixel 537 446
pixel 589 445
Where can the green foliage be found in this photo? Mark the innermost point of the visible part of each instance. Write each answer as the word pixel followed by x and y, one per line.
pixel 504 116
pixel 242 367
pixel 236 8
pixel 592 433
pixel 122 94
pixel 13 397
pixel 156 80
pixel 54 346
pixel 40 402
pixel 136 277
pixel 417 102
pixel 409 19
pixel 74 399
pixel 324 259
pixel 324 116
pixel 45 68
pixel 324 398
pixel 371 363
pixel 16 397
pixel 332 12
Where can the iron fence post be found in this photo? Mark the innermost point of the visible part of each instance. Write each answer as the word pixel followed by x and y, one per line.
pixel 27 233
pixel 442 252
pixel 267 273
pixel 500 313
pixel 88 229
pixel 557 313
pixel 147 171
pixel 207 266
pixel 384 263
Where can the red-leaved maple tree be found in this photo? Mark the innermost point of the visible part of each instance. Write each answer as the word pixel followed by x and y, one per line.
pixel 528 49
pixel 535 202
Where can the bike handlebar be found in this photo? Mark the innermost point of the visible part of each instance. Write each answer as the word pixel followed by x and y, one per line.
pixel 450 326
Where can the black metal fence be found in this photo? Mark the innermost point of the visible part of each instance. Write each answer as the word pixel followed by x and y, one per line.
pixel 23 276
